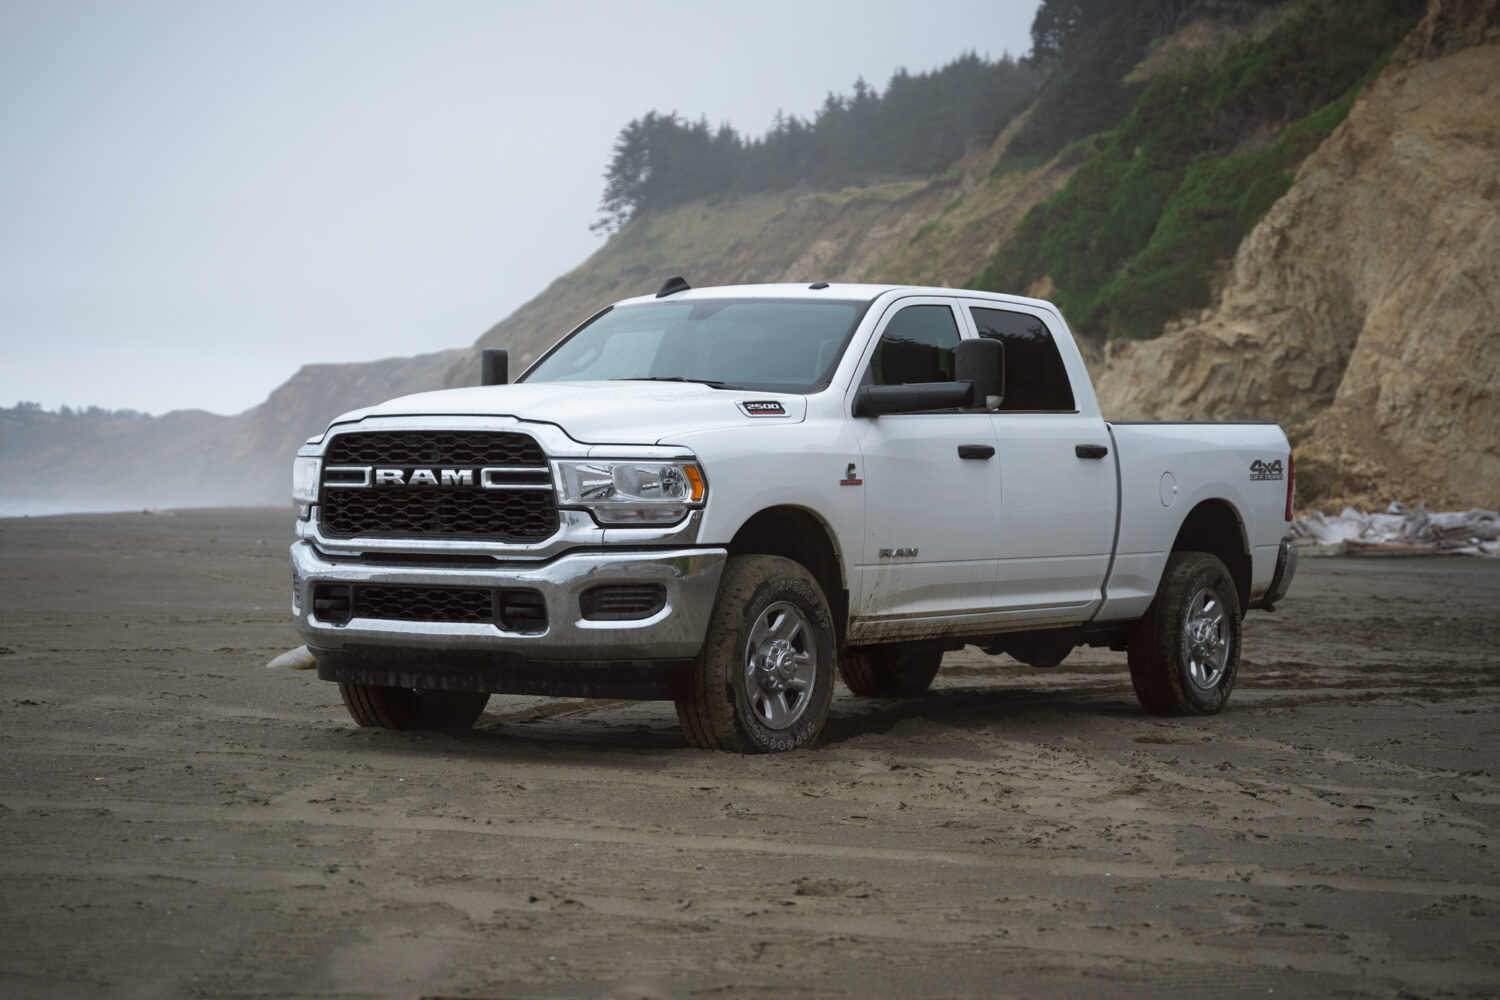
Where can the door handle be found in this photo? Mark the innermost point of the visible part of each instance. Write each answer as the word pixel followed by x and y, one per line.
pixel 976 451
pixel 1090 450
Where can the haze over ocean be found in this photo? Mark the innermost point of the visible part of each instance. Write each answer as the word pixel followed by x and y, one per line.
pixel 197 199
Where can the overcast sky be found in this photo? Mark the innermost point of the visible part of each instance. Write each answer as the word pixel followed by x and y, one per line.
pixel 198 197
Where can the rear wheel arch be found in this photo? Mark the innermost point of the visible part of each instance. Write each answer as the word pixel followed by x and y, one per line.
pixel 1215 527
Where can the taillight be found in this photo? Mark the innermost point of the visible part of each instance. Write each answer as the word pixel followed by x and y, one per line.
pixel 1291 484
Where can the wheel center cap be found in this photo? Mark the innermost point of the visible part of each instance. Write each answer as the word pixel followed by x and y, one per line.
pixel 777 664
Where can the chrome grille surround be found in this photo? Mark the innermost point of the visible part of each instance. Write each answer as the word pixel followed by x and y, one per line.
pixel 478 484
pixel 574 528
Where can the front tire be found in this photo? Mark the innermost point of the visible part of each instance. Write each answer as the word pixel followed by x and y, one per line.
pixel 894 671
pixel 764 678
pixel 412 708
pixel 1185 652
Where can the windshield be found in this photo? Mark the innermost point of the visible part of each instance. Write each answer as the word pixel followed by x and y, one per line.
pixel 778 345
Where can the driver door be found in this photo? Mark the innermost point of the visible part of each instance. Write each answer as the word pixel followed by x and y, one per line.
pixel 930 479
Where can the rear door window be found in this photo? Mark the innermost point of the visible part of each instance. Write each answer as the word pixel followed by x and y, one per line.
pixel 1035 378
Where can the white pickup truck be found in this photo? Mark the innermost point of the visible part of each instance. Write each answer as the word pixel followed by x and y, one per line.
pixel 723 496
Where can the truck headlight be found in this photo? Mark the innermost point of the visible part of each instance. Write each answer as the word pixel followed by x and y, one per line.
pixel 305 480
pixel 627 492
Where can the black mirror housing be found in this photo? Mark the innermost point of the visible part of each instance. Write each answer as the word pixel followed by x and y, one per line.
pixel 494 365
pixel 982 362
pixel 878 400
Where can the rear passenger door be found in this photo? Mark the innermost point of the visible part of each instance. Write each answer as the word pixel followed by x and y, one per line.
pixel 1056 502
pixel 929 481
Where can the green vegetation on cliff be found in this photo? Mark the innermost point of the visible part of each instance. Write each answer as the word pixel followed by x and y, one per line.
pixel 1164 130
pixel 1138 234
pixel 1090 46
pixel 917 127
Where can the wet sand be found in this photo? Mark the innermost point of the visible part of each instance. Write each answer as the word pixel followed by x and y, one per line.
pixel 177 820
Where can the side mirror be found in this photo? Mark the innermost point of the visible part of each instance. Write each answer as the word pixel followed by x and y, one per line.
pixel 878 400
pixel 494 363
pixel 982 362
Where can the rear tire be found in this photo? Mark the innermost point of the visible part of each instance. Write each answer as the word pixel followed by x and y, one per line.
pixel 1185 652
pixel 895 671
pixel 764 678
pixel 412 708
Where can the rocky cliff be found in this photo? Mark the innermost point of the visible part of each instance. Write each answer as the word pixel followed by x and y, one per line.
pixel 1362 310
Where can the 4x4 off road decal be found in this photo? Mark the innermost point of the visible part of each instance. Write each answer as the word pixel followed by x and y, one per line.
pixel 1260 471
pixel 763 408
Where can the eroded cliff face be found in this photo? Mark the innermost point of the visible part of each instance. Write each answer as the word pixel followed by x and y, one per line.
pixel 1364 311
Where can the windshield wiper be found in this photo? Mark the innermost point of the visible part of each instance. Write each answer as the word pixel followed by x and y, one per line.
pixel 676 378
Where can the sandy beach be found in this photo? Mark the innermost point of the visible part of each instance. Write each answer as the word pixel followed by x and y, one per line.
pixel 178 820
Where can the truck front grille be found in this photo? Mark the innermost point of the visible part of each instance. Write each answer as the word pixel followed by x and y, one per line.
pixel 428 448
pixel 414 513
pixel 492 485
pixel 424 604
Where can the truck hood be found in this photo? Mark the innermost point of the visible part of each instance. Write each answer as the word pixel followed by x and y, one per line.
pixel 625 412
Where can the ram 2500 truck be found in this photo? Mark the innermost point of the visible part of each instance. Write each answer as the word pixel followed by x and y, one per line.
pixel 725 496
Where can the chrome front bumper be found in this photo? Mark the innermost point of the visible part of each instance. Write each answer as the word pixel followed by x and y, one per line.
pixel 690 577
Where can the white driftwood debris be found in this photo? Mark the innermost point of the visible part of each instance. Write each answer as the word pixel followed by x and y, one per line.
pixel 293 659
pixel 1400 531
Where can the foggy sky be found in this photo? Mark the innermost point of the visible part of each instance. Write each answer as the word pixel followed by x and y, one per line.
pixel 199 197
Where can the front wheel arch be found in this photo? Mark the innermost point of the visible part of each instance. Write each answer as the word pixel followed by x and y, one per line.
pixel 800 535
